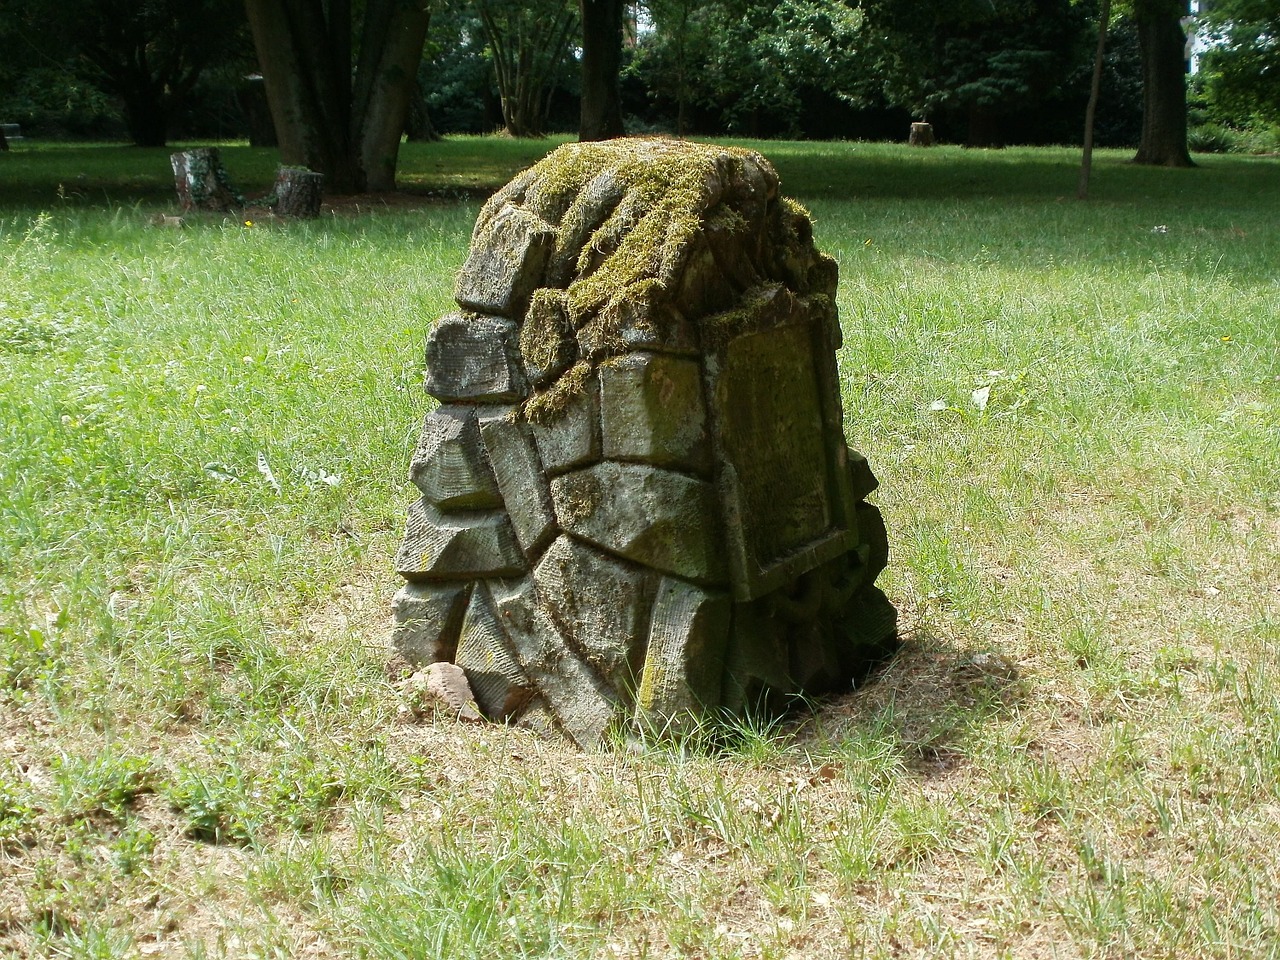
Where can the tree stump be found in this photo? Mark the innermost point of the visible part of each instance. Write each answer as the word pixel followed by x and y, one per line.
pixel 921 135
pixel 297 193
pixel 202 182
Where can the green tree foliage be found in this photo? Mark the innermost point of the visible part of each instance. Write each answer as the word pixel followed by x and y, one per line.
pixel 147 56
pixel 1241 68
pixel 987 59
pixel 747 62
pixel 530 45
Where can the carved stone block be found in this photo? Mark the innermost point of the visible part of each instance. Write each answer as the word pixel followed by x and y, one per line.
pixel 504 267
pixel 655 517
pixel 457 545
pixel 639 506
pixel 475 360
pixel 449 465
pixel 651 410
pixel 525 490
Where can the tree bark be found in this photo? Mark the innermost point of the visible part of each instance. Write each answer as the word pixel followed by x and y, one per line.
pixel 297 193
pixel 1095 89
pixel 1164 84
pixel 394 35
pixel 921 135
pixel 202 182
pixel 601 65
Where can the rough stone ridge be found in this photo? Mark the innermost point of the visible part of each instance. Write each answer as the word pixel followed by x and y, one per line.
pixel 639 508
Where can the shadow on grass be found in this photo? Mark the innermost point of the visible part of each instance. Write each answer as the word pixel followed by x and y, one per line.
pixel 929 701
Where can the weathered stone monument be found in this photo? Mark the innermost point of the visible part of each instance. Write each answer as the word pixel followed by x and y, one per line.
pixel 638 506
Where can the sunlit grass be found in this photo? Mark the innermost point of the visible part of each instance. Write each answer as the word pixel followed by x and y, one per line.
pixel 1072 408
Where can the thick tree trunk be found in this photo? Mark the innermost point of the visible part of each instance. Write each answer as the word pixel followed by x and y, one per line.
pixel 682 71
pixel 1164 84
pixel 389 53
pixel 601 65
pixel 345 123
pixel 921 135
pixel 305 89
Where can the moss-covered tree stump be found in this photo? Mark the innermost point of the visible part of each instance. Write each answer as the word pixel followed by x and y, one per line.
pixel 638 506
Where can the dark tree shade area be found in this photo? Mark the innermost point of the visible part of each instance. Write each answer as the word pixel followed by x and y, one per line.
pixel 337 84
pixel 146 57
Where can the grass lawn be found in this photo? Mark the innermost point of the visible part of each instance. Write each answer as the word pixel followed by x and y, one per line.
pixel 1074 411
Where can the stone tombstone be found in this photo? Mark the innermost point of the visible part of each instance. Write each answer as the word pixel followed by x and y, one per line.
pixel 638 506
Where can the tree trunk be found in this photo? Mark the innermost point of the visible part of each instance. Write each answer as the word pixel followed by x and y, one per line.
pixel 202 182
pixel 682 71
pixel 305 88
pixel 601 65
pixel 1164 84
pixel 345 123
pixel 418 127
pixel 390 50
pixel 297 193
pixel 1095 89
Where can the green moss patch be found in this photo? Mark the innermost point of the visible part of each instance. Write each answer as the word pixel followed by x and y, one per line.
pixel 627 213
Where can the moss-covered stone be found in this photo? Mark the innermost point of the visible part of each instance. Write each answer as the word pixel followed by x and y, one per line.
pixel 681 524
pixel 628 215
